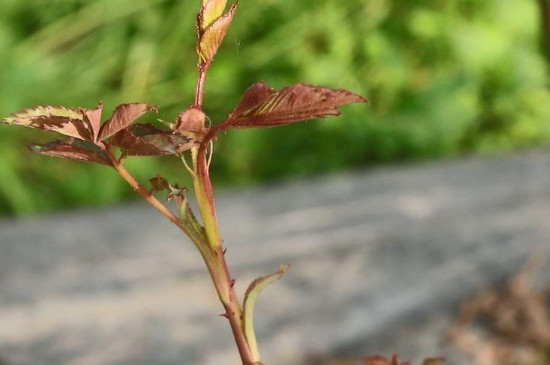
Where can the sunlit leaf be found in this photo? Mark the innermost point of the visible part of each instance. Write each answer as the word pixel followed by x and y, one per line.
pixel 74 149
pixel 93 118
pixel 261 106
pixel 58 119
pixel 212 37
pixel 123 116
pixel 250 297
pixel 210 11
pixel 148 140
pixel 255 95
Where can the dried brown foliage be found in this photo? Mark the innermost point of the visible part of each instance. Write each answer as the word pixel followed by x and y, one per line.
pixel 380 360
pixel 508 325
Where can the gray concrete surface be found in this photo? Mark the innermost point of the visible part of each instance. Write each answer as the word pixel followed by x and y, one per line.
pixel 380 260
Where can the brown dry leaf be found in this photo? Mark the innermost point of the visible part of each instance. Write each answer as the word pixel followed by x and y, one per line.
pixel 380 360
pixel 159 183
pixel 506 326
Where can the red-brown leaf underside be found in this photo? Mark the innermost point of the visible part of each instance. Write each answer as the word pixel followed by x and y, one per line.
pixel 261 106
pixel 73 149
pixel 148 140
pixel 93 117
pixel 253 96
pixel 123 116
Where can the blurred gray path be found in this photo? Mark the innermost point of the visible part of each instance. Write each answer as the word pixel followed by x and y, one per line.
pixel 380 260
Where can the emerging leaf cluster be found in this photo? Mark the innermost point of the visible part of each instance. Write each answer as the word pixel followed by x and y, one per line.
pixel 86 138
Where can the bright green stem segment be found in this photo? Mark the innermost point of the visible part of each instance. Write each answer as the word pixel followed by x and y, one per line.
pixel 214 256
pixel 205 201
pixel 249 302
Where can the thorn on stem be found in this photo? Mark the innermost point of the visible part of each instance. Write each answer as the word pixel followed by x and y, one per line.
pixel 232 283
pixel 225 315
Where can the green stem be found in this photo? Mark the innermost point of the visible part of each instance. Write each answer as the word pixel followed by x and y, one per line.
pixel 205 199
pixel 214 254
pixel 217 266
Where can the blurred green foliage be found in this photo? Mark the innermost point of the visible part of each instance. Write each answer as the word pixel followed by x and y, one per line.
pixel 444 77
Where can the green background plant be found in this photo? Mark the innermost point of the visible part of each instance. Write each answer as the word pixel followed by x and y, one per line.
pixel 444 78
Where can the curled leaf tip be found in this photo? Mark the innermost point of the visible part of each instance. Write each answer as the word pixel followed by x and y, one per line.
pixel 249 302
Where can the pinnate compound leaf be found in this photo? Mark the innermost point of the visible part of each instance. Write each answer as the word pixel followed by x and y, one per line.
pixel 250 297
pixel 123 116
pixel 74 149
pixel 58 119
pixel 212 37
pixel 210 11
pixel 148 140
pixel 261 106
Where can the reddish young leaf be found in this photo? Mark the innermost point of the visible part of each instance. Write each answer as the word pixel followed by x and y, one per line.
pixel 212 37
pixel 190 122
pixel 93 118
pixel 58 119
pixel 123 116
pixel 74 149
pixel 147 140
pixel 380 360
pixel 263 107
pixel 252 97
pixel 434 361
